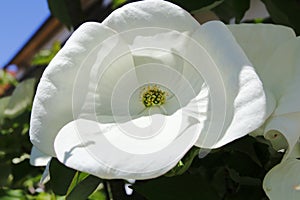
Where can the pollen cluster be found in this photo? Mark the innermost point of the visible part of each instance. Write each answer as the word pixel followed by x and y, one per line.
pixel 153 96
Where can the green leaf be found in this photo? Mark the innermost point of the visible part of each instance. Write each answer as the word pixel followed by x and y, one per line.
pixel 9 194
pixel 45 56
pixel 187 187
pixel 23 170
pixel 79 176
pixel 98 195
pixel 207 8
pixel 267 155
pixel 243 180
pixel 69 12
pixel 7 78
pixel 219 182
pixel 84 189
pixel 196 5
pixel 60 177
pixel 3 103
pixel 285 12
pixel 117 3
pixel 248 193
pixel 184 163
pixel 243 165
pixel 245 145
pixel 232 9
pixel 21 99
pixel 5 170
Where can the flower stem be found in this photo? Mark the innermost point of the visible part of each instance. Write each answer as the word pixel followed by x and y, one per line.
pixel 107 190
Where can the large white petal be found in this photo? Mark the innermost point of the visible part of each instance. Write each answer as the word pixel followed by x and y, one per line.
pixel 38 158
pixel 283 131
pixel 245 100
pixel 151 13
pixel 111 83
pixel 259 41
pixel 158 36
pixel 160 57
pixel 65 83
pixel 282 75
pixel 143 148
pixel 263 44
pixel 283 181
pixel 274 50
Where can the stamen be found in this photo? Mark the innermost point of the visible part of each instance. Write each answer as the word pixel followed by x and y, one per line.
pixel 153 96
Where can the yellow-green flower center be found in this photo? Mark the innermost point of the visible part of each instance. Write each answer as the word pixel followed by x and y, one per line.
pixel 153 96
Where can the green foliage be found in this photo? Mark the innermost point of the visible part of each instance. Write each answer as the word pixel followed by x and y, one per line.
pixel 285 12
pixel 18 179
pixel 45 56
pixel 84 188
pixel 73 185
pixel 7 78
pixel 234 171
pixel 21 99
pixel 60 177
pixel 232 9
pixel 117 3
pixel 188 186
pixel 3 104
pixel 225 9
pixel 69 12
pixel 196 5
pixel 184 163
pixel 6 194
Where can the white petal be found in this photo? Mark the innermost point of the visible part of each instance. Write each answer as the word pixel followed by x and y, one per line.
pixel 46 175
pixel 112 81
pixel 288 127
pixel 52 106
pixel 160 58
pixel 259 41
pixel 275 52
pixel 283 181
pixel 239 104
pixel 38 158
pixel 150 13
pixel 266 47
pixel 295 153
pixel 156 32
pixel 137 149
pixel 282 75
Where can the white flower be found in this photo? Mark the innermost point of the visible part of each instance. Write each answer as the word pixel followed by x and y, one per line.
pixel 127 98
pixel 275 53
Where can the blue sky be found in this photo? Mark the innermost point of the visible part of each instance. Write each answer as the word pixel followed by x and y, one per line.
pixel 19 20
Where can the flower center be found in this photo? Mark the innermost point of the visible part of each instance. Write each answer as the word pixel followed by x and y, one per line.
pixel 153 96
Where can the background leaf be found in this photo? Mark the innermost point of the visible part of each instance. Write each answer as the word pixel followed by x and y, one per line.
pixel 195 5
pixel 285 12
pixel 84 188
pixel 184 163
pixel 60 177
pixel 187 187
pixel 3 104
pixel 21 98
pixel 45 56
pixel 117 3
pixel 232 9
pixel 69 12
pixel 7 78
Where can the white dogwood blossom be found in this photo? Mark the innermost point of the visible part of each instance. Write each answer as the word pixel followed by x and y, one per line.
pixel 274 51
pixel 128 97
